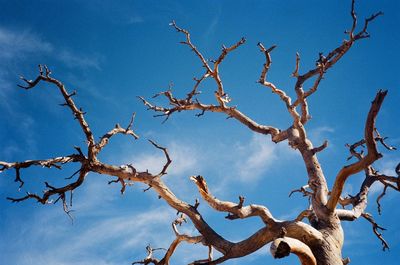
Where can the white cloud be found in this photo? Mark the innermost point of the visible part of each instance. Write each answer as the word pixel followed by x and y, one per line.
pixel 15 46
pixel 184 160
pixel 377 187
pixel 72 59
pixel 386 167
pixel 6 91
pixel 255 157
pixel 348 190
pixel 135 19
pixel 211 27
pixel 292 214
pixel 94 191
pixel 243 162
pixel 117 234
pixel 19 43
pixel 130 231
pixel 260 254
pixel 319 134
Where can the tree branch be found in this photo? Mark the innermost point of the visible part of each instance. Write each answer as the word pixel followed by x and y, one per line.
pixel 375 228
pixel 116 130
pixel 166 165
pixel 77 112
pixel 371 157
pixel 179 238
pixel 276 134
pixel 283 96
pixel 282 247
pixel 326 62
pixel 179 105
pixel 149 258
pixel 192 47
pixel 235 210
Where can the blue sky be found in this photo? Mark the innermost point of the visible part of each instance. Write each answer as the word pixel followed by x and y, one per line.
pixel 113 51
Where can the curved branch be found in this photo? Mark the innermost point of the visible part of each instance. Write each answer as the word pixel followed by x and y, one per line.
pixel 303 232
pixel 296 70
pixel 235 210
pixel 155 182
pixel 326 62
pixel 116 130
pixel 371 157
pixel 192 47
pixel 149 258
pixel 282 94
pixel 78 113
pixel 375 228
pixel 359 201
pixel 60 192
pixel 50 191
pixel 221 95
pixel 232 112
pixel 210 237
pixel 167 163
pixel 55 162
pixel 282 247
pixel 179 239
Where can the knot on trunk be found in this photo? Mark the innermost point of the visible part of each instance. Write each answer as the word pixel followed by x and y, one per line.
pixel 280 250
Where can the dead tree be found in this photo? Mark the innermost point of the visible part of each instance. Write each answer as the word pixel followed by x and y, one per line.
pixel 315 236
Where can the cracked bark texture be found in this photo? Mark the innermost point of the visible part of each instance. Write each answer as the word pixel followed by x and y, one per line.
pixel 317 240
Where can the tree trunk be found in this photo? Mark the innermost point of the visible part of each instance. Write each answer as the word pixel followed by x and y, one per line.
pixel 330 251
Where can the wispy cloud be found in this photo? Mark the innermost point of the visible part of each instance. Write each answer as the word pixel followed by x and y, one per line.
pixel 72 59
pixel 17 47
pixel 212 27
pixel 319 134
pixel 213 23
pixel 261 254
pixel 255 157
pixel 119 235
pixel 377 187
pixel 186 160
pixel 95 191
pixel 15 44
pixel 184 157
pixel 135 19
pixel 6 91
pixel 241 162
pixel 292 214
pixel 131 230
pixel 386 167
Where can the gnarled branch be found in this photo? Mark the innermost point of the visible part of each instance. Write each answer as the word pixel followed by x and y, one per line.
pixel 282 247
pixel 371 157
pixel 235 210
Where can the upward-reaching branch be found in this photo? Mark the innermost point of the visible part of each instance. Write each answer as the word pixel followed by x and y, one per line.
pixel 222 98
pixel 77 112
pixel 324 63
pixel 371 157
pixel 189 43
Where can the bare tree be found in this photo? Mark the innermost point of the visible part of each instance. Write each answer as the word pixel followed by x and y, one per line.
pixel 315 236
